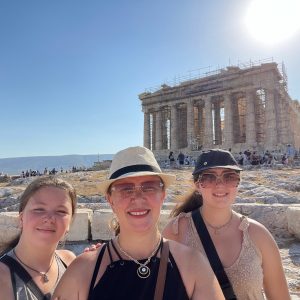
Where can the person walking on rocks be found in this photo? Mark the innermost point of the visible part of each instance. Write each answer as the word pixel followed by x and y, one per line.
pixel 241 251
pixel 31 265
pixel 138 263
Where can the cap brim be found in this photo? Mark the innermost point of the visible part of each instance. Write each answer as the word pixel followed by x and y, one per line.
pixel 231 167
pixel 167 179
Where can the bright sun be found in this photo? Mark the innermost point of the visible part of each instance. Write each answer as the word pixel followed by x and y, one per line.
pixel 273 21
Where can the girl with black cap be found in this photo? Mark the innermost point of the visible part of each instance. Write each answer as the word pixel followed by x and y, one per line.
pixel 242 252
pixel 138 263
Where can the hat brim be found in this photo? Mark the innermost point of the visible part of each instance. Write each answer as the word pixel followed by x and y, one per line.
pixel 167 179
pixel 231 167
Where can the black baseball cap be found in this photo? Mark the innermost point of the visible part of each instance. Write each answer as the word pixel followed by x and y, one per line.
pixel 216 158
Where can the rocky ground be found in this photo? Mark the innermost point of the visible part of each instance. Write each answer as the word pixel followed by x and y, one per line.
pixel 258 186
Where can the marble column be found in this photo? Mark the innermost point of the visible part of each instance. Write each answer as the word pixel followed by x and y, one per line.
pixel 217 123
pixel 270 120
pixel 158 129
pixel 208 131
pixel 250 120
pixel 147 130
pixel 228 130
pixel 173 129
pixel 190 123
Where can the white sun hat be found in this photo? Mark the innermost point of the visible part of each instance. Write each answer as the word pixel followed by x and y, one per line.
pixel 134 162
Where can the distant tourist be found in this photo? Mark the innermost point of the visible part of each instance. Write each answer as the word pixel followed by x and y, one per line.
pixel 172 159
pixel 180 158
pixel 290 152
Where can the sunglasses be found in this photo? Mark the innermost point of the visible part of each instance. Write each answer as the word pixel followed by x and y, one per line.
pixel 127 190
pixel 208 180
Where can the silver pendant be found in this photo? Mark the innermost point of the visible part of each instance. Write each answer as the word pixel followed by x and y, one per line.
pixel 45 277
pixel 143 272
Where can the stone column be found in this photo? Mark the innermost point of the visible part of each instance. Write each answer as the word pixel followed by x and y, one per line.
pixel 147 130
pixel 217 122
pixel 208 131
pixel 250 120
pixel 190 128
pixel 284 124
pixel 270 120
pixel 228 131
pixel 173 129
pixel 158 129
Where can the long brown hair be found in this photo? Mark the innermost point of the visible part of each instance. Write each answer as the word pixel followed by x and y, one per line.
pixel 36 185
pixel 189 202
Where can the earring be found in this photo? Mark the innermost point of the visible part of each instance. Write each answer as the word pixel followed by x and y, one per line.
pixel 62 242
pixel 114 223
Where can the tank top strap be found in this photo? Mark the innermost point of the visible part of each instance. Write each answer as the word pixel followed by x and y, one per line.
pixel 175 222
pixel 97 265
pixel 244 225
pixel 59 260
pixel 116 251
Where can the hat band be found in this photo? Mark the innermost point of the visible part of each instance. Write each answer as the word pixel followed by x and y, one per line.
pixel 133 168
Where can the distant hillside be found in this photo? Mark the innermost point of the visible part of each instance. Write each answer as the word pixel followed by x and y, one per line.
pixel 13 166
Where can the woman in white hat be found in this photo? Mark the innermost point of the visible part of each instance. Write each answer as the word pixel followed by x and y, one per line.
pixel 138 263
pixel 246 259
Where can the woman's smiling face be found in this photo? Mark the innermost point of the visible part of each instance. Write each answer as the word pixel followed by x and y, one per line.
pixel 47 215
pixel 137 201
pixel 220 189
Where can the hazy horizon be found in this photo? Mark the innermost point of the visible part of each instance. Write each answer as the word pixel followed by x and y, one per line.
pixel 15 165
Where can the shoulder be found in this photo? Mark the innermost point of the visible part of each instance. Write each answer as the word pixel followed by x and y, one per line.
pixel 4 271
pixel 66 256
pixel 6 291
pixel 176 225
pixel 261 236
pixel 76 280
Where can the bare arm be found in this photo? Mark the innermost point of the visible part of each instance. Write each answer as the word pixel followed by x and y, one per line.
pixel 197 275
pixel 6 290
pixel 275 284
pixel 74 284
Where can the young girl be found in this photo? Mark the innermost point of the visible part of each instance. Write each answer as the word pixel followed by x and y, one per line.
pixel 31 269
pixel 247 250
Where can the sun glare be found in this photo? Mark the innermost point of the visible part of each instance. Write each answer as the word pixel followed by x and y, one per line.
pixel 273 21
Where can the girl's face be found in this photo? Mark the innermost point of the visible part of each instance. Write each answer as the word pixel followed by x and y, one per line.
pixel 137 201
pixel 218 187
pixel 47 216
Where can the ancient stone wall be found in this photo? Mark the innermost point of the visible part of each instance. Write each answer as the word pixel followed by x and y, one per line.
pixel 237 108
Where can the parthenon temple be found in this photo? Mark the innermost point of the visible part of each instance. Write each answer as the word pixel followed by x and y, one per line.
pixel 238 107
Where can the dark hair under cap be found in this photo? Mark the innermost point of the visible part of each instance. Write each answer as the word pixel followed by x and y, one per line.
pixel 215 158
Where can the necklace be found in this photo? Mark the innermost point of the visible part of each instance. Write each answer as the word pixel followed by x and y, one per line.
pixel 42 274
pixel 143 271
pixel 217 229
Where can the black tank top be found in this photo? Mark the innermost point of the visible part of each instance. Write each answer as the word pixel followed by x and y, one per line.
pixel 120 280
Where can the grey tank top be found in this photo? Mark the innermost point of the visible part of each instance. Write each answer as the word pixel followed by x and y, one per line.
pixel 23 292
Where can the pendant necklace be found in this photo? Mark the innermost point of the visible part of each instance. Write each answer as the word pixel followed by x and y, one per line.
pixel 44 275
pixel 143 271
pixel 217 229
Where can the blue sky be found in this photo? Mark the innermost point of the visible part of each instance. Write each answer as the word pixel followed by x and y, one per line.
pixel 71 71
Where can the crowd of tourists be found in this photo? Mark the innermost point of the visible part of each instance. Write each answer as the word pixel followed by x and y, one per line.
pixel 245 158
